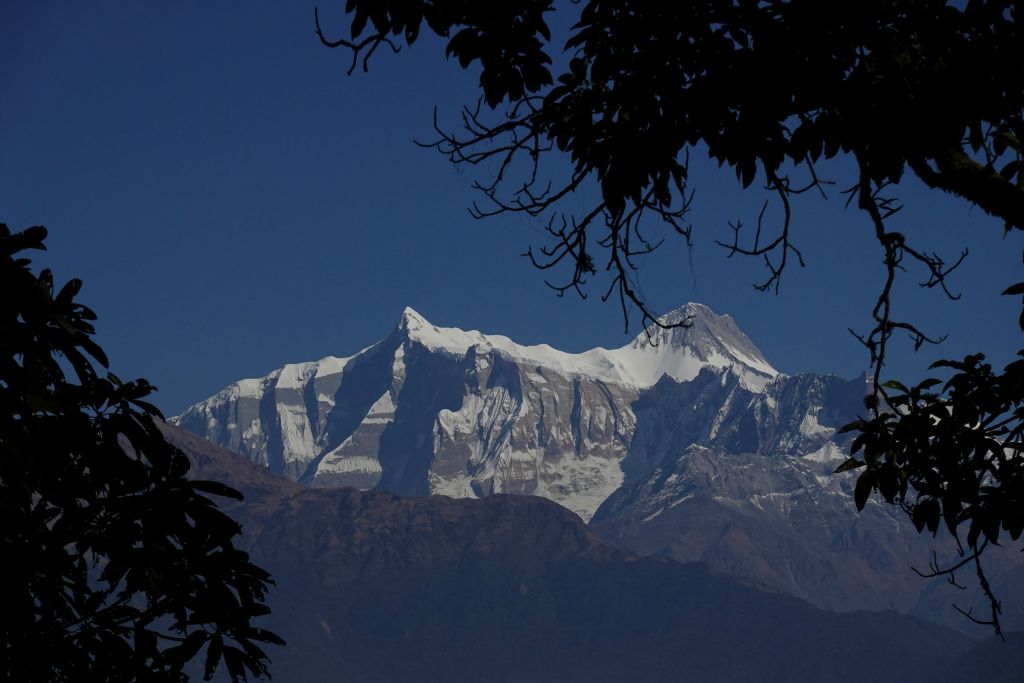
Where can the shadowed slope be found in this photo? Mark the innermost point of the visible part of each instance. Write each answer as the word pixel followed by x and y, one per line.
pixel 374 587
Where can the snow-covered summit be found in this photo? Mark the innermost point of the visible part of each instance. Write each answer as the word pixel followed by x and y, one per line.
pixel 414 327
pixel 431 409
pixel 706 340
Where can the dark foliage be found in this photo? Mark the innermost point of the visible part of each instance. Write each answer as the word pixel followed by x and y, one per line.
pixel 768 88
pixel 117 567
pixel 952 458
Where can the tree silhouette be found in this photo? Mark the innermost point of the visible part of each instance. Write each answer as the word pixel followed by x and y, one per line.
pixel 768 88
pixel 117 567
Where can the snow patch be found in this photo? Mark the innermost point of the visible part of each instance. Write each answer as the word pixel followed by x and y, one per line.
pixel 358 464
pixel 580 485
pixel 382 411
pixel 685 498
pixel 298 375
pixel 637 364
pixel 809 425
pixel 652 515
pixel 827 453
pixel 296 432
pixel 245 388
pixel 458 486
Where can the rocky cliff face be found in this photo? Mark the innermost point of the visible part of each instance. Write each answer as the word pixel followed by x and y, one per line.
pixel 441 410
pixel 694 448
pixel 744 481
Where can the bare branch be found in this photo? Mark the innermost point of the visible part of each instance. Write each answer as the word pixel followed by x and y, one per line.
pixel 895 248
pixel 372 42
pixel 935 570
pixel 781 244
pixel 513 147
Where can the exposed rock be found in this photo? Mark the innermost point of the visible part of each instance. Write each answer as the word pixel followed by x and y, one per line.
pixel 694 448
pixel 376 587
pixel 441 410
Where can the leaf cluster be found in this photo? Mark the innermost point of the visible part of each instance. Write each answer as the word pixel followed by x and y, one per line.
pixel 951 454
pixel 506 37
pixel 118 567
pixel 951 457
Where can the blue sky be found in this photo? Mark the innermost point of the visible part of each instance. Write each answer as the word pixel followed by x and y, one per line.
pixel 233 201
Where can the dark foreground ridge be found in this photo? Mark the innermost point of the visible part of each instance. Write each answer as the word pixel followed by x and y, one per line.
pixel 376 587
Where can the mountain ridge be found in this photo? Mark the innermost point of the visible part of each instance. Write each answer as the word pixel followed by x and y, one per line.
pixel 724 462
pixel 301 422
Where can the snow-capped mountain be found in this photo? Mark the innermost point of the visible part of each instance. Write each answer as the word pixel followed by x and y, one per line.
pixel 694 447
pixel 441 410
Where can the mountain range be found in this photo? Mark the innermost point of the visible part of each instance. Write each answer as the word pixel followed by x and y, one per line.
pixel 686 443
pixel 374 587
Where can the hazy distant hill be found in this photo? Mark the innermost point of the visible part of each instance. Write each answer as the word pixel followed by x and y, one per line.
pixel 376 587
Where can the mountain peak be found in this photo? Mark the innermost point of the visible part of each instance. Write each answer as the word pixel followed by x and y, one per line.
pixel 410 317
pixel 704 339
pixel 691 309
pixel 415 328
pixel 412 325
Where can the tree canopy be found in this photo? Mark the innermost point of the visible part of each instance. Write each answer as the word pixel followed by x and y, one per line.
pixel 118 567
pixel 770 89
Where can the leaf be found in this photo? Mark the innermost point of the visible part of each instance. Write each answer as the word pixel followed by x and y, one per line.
pixel 148 407
pixel 863 489
pixel 898 386
pixel 850 464
pixel 95 351
pixel 933 517
pixel 68 292
pixel 919 518
pixel 975 137
pixel 233 658
pixel 1014 289
pixel 213 653
pixel 856 424
pixel 542 28
pixel 359 22
pixel 887 485
pixel 974 532
pixel 216 488
pixel 30 238
pixel 188 649
pixel 267 636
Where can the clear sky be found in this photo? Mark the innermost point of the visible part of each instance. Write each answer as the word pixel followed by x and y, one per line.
pixel 233 201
